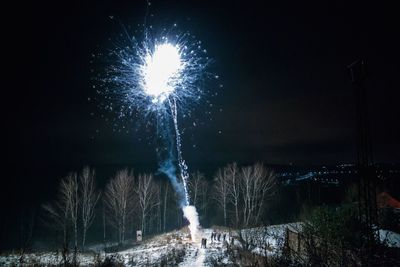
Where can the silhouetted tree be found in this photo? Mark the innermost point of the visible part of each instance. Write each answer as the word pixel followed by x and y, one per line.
pixel 233 177
pixel 119 199
pixel 221 191
pixel 64 210
pixel 146 191
pixel 258 184
pixel 89 198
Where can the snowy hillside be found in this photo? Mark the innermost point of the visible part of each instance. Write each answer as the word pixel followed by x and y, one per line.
pixel 176 249
pixel 173 248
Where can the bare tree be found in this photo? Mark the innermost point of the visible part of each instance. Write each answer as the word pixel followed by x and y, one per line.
pixel 64 211
pixel 165 205
pixel 69 191
pixel 257 185
pixel 221 191
pixel 204 187
pixel 198 188
pixel 247 191
pixel 89 198
pixel 57 217
pixel 146 192
pixel 196 183
pixel 119 198
pixel 267 187
pixel 159 208
pixel 233 188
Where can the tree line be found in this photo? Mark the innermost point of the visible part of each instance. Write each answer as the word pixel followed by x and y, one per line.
pixel 235 197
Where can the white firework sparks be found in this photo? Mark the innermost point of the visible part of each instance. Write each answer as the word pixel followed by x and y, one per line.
pixel 146 74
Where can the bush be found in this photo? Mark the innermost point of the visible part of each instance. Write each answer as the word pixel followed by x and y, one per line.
pixel 114 260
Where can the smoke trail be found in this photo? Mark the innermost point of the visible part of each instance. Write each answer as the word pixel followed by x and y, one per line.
pixel 189 211
pixel 167 155
pixel 174 154
pixel 191 215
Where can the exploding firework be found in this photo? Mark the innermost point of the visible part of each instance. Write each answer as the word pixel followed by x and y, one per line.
pixel 161 76
pixel 149 74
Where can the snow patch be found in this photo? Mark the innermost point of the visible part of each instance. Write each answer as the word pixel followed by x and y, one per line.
pixel 391 238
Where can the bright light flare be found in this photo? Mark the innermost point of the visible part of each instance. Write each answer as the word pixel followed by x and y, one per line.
pixel 145 73
pixel 161 71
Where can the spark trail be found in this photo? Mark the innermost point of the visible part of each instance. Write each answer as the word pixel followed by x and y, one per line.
pixel 181 163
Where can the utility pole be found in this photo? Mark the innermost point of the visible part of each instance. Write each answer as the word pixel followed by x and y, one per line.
pixel 367 207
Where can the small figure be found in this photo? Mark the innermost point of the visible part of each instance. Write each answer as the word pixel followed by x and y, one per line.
pixel 232 240
pixel 219 236
pixel 204 243
pixel 224 236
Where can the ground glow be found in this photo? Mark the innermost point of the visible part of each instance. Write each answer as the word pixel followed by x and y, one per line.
pixel 161 71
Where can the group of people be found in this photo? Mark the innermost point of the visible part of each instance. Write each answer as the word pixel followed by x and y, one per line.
pixel 217 236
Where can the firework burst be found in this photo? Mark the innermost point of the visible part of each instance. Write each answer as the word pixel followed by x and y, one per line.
pixel 160 76
pixel 147 75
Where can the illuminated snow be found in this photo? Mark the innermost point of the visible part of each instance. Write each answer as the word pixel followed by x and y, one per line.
pixel 153 251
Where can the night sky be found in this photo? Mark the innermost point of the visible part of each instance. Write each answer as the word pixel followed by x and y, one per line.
pixel 286 95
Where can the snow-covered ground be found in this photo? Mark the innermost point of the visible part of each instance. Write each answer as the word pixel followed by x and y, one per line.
pixel 173 248
pixel 176 249
pixel 391 239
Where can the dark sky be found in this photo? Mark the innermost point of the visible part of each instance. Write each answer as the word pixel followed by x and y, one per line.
pixel 287 95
